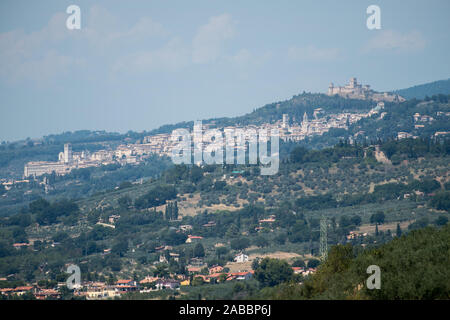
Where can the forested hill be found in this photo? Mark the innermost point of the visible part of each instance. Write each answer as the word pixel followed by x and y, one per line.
pixel 414 266
pixel 427 89
pixel 294 107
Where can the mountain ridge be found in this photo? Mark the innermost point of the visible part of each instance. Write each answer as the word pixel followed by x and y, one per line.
pixel 417 92
pixel 426 89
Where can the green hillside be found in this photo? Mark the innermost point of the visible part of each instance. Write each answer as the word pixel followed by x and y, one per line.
pixel 414 266
pixel 427 89
pixel 225 204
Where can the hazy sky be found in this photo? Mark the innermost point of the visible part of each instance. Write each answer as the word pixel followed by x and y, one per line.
pixel 135 65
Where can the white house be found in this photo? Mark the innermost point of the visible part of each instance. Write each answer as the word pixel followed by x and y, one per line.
pixel 241 258
pixel 167 284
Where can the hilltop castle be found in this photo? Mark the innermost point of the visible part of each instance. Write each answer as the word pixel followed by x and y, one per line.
pixel 354 90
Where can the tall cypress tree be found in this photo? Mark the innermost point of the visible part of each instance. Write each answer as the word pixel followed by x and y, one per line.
pixel 399 230
pixel 175 211
pixel 166 213
pixel 170 211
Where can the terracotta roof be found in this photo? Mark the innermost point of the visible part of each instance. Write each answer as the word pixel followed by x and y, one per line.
pixel 24 288
pixel 48 292
pixel 267 220
pixel 194 269
pixel 216 275
pixel 194 237
pixel 20 245
pixel 123 281
pixel 240 273
pixel 149 280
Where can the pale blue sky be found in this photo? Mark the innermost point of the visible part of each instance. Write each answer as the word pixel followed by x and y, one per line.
pixel 136 65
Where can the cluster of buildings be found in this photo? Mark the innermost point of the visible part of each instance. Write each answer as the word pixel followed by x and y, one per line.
pixel 304 271
pixel 38 293
pixel 354 90
pixel 316 124
pixel 93 290
pixel 196 272
pixel 162 144
pixel 420 121
pixel 101 290
pixel 354 235
pixel 320 124
pixel 215 274
pixel 123 154
pixel 67 161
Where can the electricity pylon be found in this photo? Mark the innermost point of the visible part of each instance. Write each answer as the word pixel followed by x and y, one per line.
pixel 323 251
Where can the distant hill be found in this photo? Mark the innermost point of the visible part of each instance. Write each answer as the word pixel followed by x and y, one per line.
pixel 427 89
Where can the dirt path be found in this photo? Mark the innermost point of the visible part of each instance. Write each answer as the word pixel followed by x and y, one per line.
pixel 380 156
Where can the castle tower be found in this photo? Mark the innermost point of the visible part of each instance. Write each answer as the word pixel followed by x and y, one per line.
pixel 305 124
pixel 331 89
pixel 68 153
pixel 353 82
pixel 285 120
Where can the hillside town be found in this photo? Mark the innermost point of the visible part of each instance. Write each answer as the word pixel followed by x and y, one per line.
pixel 290 129
pixel 162 144
pixel 196 272
pixel 95 290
